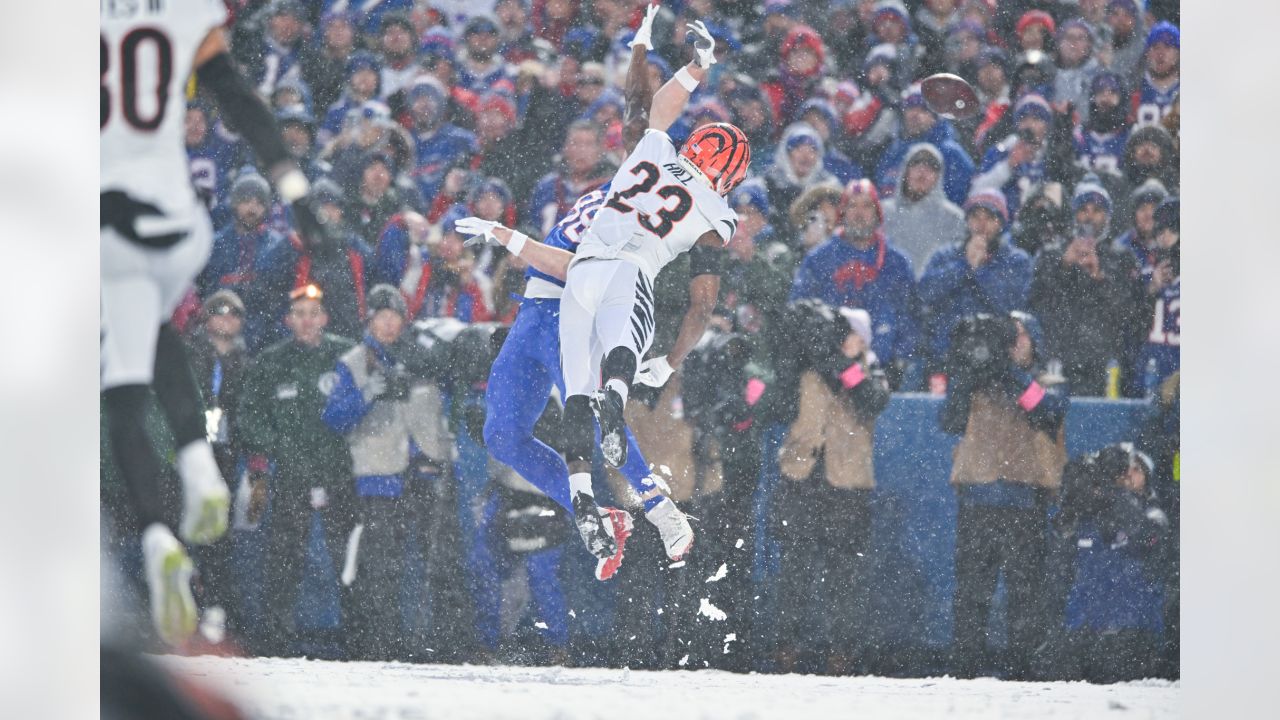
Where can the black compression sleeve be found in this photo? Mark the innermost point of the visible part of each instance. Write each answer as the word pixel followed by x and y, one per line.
pixel 246 113
pixel 705 260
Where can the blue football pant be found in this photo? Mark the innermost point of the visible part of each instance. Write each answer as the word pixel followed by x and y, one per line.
pixel 519 386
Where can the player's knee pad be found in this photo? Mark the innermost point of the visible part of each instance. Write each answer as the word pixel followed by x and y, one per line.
pixel 579 430
pixel 620 363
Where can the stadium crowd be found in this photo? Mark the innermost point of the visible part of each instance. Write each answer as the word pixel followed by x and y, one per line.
pixel 346 378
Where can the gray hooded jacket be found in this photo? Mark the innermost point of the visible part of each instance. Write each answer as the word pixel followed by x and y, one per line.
pixel 921 227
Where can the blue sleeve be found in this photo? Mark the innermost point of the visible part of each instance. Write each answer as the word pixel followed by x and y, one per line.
pixel 391 256
pixel 346 406
pixel 959 175
pixel 944 273
pixel 908 336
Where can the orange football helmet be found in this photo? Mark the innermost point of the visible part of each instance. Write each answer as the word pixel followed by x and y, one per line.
pixel 721 152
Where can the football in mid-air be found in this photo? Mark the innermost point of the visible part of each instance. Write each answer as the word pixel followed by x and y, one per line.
pixel 949 95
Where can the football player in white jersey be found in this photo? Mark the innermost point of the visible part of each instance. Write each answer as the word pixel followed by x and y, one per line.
pixel 156 238
pixel 662 202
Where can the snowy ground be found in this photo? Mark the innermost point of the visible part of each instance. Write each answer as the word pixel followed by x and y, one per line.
pixel 278 688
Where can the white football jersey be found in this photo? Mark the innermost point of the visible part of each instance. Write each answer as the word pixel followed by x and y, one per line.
pixel 147 52
pixel 656 209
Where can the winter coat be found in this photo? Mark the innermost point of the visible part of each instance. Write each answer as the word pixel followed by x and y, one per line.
pixel 1000 441
pixel 251 265
pixel 950 289
pixel 781 179
pixel 920 227
pixel 835 424
pixel 279 416
pixel 959 166
pixel 879 280
pixel 1086 322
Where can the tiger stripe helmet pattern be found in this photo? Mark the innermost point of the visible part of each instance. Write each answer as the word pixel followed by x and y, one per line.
pixel 720 151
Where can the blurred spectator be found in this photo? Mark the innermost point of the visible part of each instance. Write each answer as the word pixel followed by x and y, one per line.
pixel 1093 13
pixel 858 268
pixel 920 124
pixel 1034 31
pixel 983 273
pixel 324 63
pixel 992 86
pixel 819 114
pixel 1041 220
pixel 363 75
pixel 1160 80
pixel 1128 38
pixel 822 510
pixel 1123 543
pixel 1076 65
pixel 398 44
pixel 437 275
pixel 873 116
pixel 1009 459
pixel 440 145
pixel 756 278
pixel 1086 295
pixel 891 24
pixel 798 165
pixel 1148 154
pixel 480 65
pixel 335 262
pixel 1160 355
pixel 298 129
pixel 375 200
pixel 376 404
pixel 218 358
pixel 802 56
pixel 935 20
pixel 1018 161
pixel 515 36
pixel 296 459
pixel 918 217
pixel 211 158
pixel 239 261
pixel 276 57
pixel 582 167
pixel 813 217
pixel 1140 236
pixel 1100 140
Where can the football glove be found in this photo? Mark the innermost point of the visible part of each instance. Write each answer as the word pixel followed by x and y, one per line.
pixel 644 35
pixel 703 43
pixel 655 372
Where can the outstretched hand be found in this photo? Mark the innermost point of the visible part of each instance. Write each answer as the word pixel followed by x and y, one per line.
pixel 644 35
pixel 481 231
pixel 703 43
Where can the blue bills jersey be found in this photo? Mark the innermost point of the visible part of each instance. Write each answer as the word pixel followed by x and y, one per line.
pixel 566 234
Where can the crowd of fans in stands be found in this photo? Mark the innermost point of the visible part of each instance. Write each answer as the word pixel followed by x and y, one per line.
pixel 1058 198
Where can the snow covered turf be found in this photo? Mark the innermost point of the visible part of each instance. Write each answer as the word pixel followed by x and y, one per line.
pixel 289 688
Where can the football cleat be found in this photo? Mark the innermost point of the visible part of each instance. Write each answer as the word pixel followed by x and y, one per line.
pixel 169 569
pixel 673 526
pixel 206 500
pixel 619 523
pixel 595 531
pixel 607 405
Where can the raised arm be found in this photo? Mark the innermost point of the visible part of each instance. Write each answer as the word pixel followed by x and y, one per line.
pixel 670 100
pixel 638 93
pixel 544 258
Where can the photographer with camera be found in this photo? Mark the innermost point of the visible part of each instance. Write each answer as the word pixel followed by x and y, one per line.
pixel 1087 295
pixel 1119 557
pixel 983 273
pixel 1009 460
pixel 823 507
pixel 383 386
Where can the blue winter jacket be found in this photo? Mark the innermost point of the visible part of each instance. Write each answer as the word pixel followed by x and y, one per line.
pixel 950 289
pixel 959 172
pixel 829 273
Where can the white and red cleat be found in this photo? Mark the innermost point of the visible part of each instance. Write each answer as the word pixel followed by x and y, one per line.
pixel 673 527
pixel 619 526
